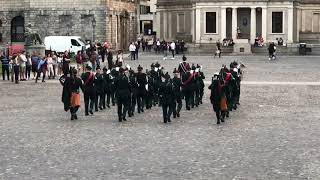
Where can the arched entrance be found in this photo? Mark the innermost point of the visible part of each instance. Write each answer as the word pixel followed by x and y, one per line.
pixel 17 29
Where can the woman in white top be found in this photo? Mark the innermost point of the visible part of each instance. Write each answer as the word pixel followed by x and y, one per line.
pixel 23 60
pixel 50 66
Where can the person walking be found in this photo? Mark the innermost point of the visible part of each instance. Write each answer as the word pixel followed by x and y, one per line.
pixel 177 84
pixel 167 97
pixel 99 87
pixel 42 69
pixel 141 81
pixel 88 90
pixel 110 59
pixel 34 61
pixel 123 94
pixel 173 48
pixel 216 88
pixel 71 92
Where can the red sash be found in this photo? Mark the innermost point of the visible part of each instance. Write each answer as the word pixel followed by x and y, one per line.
pixel 89 79
pixel 188 80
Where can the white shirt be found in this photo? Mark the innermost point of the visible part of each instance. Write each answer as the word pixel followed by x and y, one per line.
pixel 132 47
pixel 158 43
pixel 23 60
pixel 173 46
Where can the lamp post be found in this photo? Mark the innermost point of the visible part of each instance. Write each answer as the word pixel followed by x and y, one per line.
pixel 94 23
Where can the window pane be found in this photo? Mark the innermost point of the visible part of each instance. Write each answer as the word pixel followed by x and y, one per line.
pixel 277 22
pixel 211 22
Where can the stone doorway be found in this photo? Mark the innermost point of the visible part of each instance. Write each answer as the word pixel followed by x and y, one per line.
pixel 244 21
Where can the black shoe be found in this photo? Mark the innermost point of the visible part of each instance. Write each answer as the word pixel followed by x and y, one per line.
pixel 43 81
pixel 86 114
pixel 108 106
pixel 222 120
pixel 100 108
pixel 72 117
pixel 218 122
pixel 75 116
pixel 142 110
pixel 120 120
pixel 124 119
pixel 138 111
pixel 169 120
pixel 178 115
pixel 174 116
pixel 227 115
pixel 91 112
pixel 188 108
pixel 165 121
pixel 96 110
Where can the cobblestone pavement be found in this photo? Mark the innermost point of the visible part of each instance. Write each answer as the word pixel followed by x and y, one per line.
pixel 273 135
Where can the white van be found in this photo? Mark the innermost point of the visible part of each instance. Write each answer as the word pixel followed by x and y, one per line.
pixel 65 43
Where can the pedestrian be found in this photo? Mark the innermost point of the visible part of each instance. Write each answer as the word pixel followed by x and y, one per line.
pixel 110 59
pixel 60 64
pixel 66 62
pixel 42 69
pixel 71 92
pixel 119 61
pixel 54 64
pixel 167 96
pixel 182 46
pixel 132 49
pixel 166 48
pixel 22 61
pixel 158 44
pixel 93 61
pixel 272 51
pixel 16 68
pixel 123 94
pixel 88 90
pixel 79 60
pixel 173 48
pixel 28 67
pixel 218 49
pixel 50 66
pixel 5 65
pixel 35 61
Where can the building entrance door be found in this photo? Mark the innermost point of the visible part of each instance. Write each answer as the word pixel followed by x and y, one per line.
pixel 244 21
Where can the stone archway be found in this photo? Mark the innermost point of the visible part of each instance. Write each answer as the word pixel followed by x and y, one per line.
pixel 17 29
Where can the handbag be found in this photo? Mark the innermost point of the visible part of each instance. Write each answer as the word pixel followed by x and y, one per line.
pixel 75 100
pixel 223 103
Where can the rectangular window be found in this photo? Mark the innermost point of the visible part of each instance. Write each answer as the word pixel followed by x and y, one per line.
pixel 211 22
pixel 277 22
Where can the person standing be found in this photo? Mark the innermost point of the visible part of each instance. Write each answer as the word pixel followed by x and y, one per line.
pixel 187 81
pixel 22 61
pixel 173 48
pixel 134 92
pixel 16 67
pixel 71 92
pixel 108 85
pixel 132 49
pixel 66 63
pixel 50 66
pixel 176 81
pixel 167 96
pixel 88 90
pixel 218 49
pixel 5 65
pixel 79 60
pixel 28 67
pixel 54 64
pixel 110 59
pixel 137 50
pixel 123 94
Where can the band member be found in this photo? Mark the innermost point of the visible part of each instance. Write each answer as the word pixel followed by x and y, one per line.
pixel 187 81
pixel 123 94
pixel 177 84
pixel 167 97
pixel 88 90
pixel 183 66
pixel 134 92
pixel 142 81
pixel 217 89
pixel 99 87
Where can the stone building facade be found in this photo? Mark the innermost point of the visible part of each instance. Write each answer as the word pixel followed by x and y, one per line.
pixel 206 21
pixel 85 18
pixel 121 23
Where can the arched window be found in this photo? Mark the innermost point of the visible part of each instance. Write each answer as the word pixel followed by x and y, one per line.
pixel 17 29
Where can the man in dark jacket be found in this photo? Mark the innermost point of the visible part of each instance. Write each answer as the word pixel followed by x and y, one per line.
pixel 107 86
pixel 142 81
pixel 177 84
pixel 167 98
pixel 99 87
pixel 187 81
pixel 216 88
pixel 123 94
pixel 5 65
pixel 88 90
pixel 134 92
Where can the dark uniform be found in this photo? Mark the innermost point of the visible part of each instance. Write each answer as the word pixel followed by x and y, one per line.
pixel 150 92
pixel 5 66
pixel 167 98
pixel 216 88
pixel 99 87
pixel 123 95
pixel 114 76
pixel 142 81
pixel 187 81
pixel 107 87
pixel 134 92
pixel 177 84
pixel 88 91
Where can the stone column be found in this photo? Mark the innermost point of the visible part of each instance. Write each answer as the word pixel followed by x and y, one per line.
pixel 234 23
pixel 165 25
pixel 192 25
pixel 290 25
pixel 253 24
pixel 223 23
pixel 264 24
pixel 157 25
pixel 170 26
pixel 298 24
pixel 198 26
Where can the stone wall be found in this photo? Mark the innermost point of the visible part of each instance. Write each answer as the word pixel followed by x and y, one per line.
pixel 59 17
